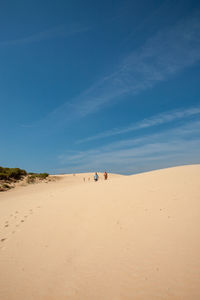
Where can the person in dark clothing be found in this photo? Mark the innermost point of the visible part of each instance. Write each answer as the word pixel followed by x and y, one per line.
pixel 105 175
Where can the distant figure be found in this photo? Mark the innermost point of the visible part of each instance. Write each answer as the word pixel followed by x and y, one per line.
pixel 105 175
pixel 88 178
pixel 84 179
pixel 96 177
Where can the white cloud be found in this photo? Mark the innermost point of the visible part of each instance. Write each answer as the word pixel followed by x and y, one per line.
pixel 176 146
pixel 60 31
pixel 162 56
pixel 158 119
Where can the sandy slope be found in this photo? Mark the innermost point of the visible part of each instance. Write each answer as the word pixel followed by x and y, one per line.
pixel 135 237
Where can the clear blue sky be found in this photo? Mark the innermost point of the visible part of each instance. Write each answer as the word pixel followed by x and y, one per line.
pixel 99 85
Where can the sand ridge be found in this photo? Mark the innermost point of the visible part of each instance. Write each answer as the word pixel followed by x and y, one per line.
pixel 131 237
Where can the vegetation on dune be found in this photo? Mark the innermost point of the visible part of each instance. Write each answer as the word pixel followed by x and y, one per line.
pixel 8 176
pixel 39 175
pixel 32 177
pixel 12 173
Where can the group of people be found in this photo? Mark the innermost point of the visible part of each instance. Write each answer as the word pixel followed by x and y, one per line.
pixel 96 176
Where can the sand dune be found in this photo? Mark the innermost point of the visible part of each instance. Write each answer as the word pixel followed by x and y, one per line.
pixel 131 237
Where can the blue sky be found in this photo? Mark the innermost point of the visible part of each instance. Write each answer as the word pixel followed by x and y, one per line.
pixel 99 85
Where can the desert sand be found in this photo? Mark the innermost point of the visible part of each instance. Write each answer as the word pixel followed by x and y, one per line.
pixel 130 237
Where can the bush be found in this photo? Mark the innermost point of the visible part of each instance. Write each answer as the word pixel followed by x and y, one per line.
pixel 14 174
pixel 3 176
pixel 43 175
pixel 11 173
pixel 33 176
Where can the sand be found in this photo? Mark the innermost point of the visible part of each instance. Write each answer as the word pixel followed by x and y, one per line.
pixel 131 237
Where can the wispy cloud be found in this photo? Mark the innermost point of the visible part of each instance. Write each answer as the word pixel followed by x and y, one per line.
pixel 171 147
pixel 156 120
pixel 162 56
pixel 60 31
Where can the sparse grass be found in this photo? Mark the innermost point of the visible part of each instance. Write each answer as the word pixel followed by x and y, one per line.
pixel 39 175
pixel 4 187
pixel 32 177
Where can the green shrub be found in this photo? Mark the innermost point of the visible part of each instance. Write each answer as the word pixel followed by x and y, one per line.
pixel 11 173
pixel 3 176
pixel 33 176
pixel 39 176
pixel 43 175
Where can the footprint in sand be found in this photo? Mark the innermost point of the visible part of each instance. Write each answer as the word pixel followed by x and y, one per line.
pixel 16 216
pixel 2 247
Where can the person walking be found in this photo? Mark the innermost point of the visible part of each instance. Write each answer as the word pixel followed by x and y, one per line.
pixel 96 177
pixel 105 175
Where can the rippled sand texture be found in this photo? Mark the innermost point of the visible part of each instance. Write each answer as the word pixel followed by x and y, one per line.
pixel 131 237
